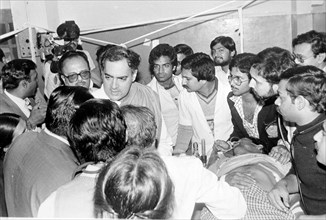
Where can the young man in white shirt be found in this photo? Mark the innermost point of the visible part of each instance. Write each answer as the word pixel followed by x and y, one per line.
pixel 203 109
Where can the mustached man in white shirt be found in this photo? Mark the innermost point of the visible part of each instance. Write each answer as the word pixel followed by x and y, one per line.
pixel 20 83
pixel 203 109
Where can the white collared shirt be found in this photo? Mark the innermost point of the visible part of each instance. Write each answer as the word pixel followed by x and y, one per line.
pixel 20 103
pixel 56 136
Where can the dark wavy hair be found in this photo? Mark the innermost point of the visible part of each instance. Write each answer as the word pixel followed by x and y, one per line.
pixel 8 124
pixel 141 126
pixel 15 71
pixel 184 49
pixel 97 131
pixel 63 102
pixel 226 42
pixel 117 53
pixel 135 185
pixel 271 62
pixel 201 65
pixel 243 62
pixel 316 39
pixel 309 82
pixel 162 50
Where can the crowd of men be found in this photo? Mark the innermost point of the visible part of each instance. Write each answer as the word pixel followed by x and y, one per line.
pixel 213 106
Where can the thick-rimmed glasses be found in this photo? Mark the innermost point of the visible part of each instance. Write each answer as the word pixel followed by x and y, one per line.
pixel 236 80
pixel 85 74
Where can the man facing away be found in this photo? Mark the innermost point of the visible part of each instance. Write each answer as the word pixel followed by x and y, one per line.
pixel 119 67
pixel 163 63
pixel 97 132
pixel 203 109
pixel 193 183
pixel 36 164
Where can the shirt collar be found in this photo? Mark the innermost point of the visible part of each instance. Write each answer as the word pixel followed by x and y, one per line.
pixel 56 136
pixel 17 100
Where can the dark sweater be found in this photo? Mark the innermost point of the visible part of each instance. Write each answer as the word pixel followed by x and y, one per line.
pixel 267 121
pixel 312 176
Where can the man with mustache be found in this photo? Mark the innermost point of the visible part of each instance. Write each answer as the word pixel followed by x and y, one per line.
pixel 203 109
pixel 74 70
pixel 223 49
pixel 302 101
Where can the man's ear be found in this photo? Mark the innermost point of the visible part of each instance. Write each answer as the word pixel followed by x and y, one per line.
pixel 275 88
pixel 134 75
pixel 23 83
pixel 63 78
pixel 300 102
pixel 321 57
pixel 232 53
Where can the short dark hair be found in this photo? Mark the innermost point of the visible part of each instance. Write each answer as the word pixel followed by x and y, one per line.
pixel 68 31
pixel 100 51
pixel 271 62
pixel 316 39
pixel 141 126
pixel 184 49
pixel 118 53
pixel 97 131
pixel 243 62
pixel 69 55
pixel 226 42
pixel 163 50
pixel 135 185
pixel 63 102
pixel 8 124
pixel 309 82
pixel 15 71
pixel 201 65
pixel 2 55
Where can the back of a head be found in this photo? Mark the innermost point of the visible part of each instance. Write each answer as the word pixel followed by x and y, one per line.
pixel 201 65
pixel 97 130
pixel 141 126
pixel 63 102
pixel 243 62
pixel 163 50
pixel 272 61
pixel 183 49
pixel 308 82
pixel 135 185
pixel 68 31
pixel 117 53
pixel 8 123
pixel 15 71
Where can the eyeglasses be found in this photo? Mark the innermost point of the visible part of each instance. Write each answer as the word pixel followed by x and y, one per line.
pixel 300 58
pixel 237 80
pixel 225 147
pixel 85 74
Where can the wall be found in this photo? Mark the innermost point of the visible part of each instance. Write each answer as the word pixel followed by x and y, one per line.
pixel 266 23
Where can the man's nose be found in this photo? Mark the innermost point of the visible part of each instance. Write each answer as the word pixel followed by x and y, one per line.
pixel 252 83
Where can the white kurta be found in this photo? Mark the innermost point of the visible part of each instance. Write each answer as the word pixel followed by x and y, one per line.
pixel 191 114
pixel 194 183
pixel 169 109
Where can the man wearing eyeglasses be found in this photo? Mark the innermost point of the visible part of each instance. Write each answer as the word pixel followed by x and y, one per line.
pixel 74 69
pixel 310 49
pixel 250 118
